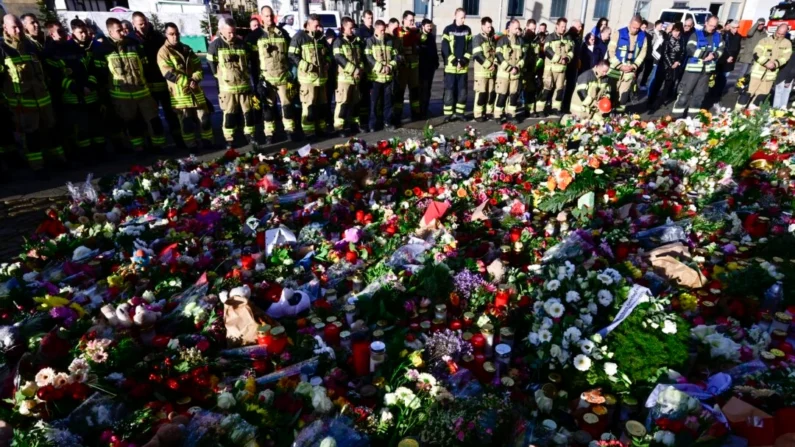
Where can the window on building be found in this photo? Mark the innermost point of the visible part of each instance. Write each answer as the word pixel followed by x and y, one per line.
pixel 734 10
pixel 420 7
pixel 471 7
pixel 642 7
pixel 680 5
pixel 601 9
pixel 515 8
pixel 558 8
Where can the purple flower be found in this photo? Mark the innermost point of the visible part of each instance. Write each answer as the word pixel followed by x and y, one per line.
pixel 466 283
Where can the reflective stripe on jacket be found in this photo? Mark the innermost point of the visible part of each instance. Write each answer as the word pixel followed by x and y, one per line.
pixel 557 47
pixel 25 82
pixel 484 52
pixel 126 65
pixel 273 47
pixel 625 49
pixel 310 53
pixel 456 48
pixel 590 89
pixel 510 54
pixel 381 53
pixel 229 63
pixel 349 58
pixel 71 70
pixel 410 39
pixel 179 65
pixel 698 47
pixel 773 50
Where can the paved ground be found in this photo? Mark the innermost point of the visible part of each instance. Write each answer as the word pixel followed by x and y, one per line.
pixel 24 200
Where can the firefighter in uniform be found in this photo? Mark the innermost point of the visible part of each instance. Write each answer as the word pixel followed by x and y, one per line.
pixel 484 54
pixel 456 53
pixel 153 41
pixel 382 63
pixel 128 89
pixel 182 69
pixel 558 52
pixel 25 89
pixel 703 51
pixel 409 70
pixel 627 45
pixel 592 85
pixel 349 57
pixel 275 77
pixel 228 61
pixel 310 53
pixel 770 54
pixel 511 58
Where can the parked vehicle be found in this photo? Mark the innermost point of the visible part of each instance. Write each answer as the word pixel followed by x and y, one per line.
pixel 699 16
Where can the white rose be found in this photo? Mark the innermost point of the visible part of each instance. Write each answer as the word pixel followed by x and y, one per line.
pixel 669 327
pixel 226 400
pixel 611 368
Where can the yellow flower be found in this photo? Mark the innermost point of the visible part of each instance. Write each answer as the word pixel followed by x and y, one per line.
pixel 49 302
pixel 732 266
pixel 115 281
pixel 408 193
pixel 713 141
pixel 416 359
pixel 335 155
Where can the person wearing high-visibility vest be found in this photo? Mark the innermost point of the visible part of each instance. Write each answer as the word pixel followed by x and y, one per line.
pixel 227 56
pixel 558 53
pixel 484 54
pixel 24 86
pixel 770 54
pixel 626 51
pixel 592 86
pixel 182 70
pixel 381 58
pixel 275 76
pixel 350 59
pixel 510 58
pixel 703 51
pixel 311 54
pixel 408 74
pixel 456 53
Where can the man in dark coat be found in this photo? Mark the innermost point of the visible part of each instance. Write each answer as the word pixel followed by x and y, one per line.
pixel 429 63
pixel 732 43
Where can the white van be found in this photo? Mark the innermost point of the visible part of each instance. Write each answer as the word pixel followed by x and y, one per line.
pixel 328 20
pixel 699 16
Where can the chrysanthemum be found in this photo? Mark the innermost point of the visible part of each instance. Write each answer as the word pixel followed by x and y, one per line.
pixel 45 377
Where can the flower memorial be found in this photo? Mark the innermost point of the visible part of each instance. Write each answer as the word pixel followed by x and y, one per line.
pixel 628 283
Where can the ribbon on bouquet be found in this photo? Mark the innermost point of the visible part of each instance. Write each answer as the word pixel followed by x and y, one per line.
pixel 637 295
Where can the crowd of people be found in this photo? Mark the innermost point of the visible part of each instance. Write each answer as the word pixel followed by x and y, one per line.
pixel 67 92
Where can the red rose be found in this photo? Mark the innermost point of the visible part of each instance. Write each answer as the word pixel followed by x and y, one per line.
pixel 79 391
pixel 351 256
pixel 203 345
pixel 247 262
pixel 46 392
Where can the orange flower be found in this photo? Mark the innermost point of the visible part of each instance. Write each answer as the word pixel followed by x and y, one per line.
pixel 594 162
pixel 551 183
pixel 564 179
pixel 577 168
pixel 461 193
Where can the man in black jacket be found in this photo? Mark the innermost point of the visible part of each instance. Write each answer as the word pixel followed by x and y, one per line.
pixel 731 51
pixel 364 32
pixel 429 63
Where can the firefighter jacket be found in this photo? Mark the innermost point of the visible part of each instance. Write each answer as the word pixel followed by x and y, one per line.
pixel 510 55
pixel 273 46
pixel 410 46
pixel 699 46
pixel 625 49
pixel 381 53
pixel 126 59
pixel 71 71
pixel 773 50
pixel 429 55
pixel 484 52
pixel 456 48
pixel 349 57
pixel 153 41
pixel 22 75
pixel 311 54
pixel 179 65
pixel 556 48
pixel 590 89
pixel 229 63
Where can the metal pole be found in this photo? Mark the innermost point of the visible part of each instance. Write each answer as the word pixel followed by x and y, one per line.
pixel 430 10
pixel 302 15
pixel 583 12
pixel 499 23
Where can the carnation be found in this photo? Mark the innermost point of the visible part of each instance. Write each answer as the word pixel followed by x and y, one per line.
pixel 582 362
pixel 544 336
pixel 572 296
pixel 605 297
pixel 610 368
pixel 553 285
pixel 45 376
pixel 605 279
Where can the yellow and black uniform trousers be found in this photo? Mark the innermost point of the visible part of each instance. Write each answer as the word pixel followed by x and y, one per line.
pixel 456 53
pixel 349 57
pixel 769 49
pixel 153 41
pixel 274 86
pixel 695 80
pixel 484 53
pixel 129 93
pixel 510 57
pixel 558 52
pixel 229 63
pixel 25 89
pixel 72 75
pixel 625 49
pixel 381 57
pixel 408 73
pixel 179 65
pixel 311 54
pixel 589 90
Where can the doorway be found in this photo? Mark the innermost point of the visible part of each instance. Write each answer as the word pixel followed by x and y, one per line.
pixel 715 9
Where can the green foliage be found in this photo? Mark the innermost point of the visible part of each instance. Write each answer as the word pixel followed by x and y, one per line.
pixel 46 14
pixel 585 182
pixel 210 25
pixel 740 144
pixel 433 281
pixel 157 24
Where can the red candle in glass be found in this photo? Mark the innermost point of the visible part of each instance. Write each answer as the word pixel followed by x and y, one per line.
pixel 278 341
pixel 455 325
pixel 501 298
pixel 361 357
pixel 478 343
pixel 331 333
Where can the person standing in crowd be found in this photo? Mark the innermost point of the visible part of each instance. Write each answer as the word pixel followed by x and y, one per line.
pixel 227 56
pixel 456 53
pixel 592 86
pixel 732 42
pixel 770 54
pixel 25 89
pixel 254 25
pixel 591 52
pixel 251 45
pixel 364 32
pixel 703 51
pixel 601 24
pixel 688 28
pixel 275 77
pixel 627 50
pixel 529 31
pixel 784 84
pixel 747 47
pixel 392 28
pixel 558 52
pixel 664 78
pixel 128 30
pixel 510 58
pixel 529 74
pixel 366 29
pixel 382 63
pixel 484 53
pixel 310 53
pixel 429 63
pixel 331 77
pixel 153 41
pixel 349 57
pixel 654 38
pixel 182 70
pixel 542 28
pixel 572 69
pixel 33 30
pixel 409 71
pixel 656 45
